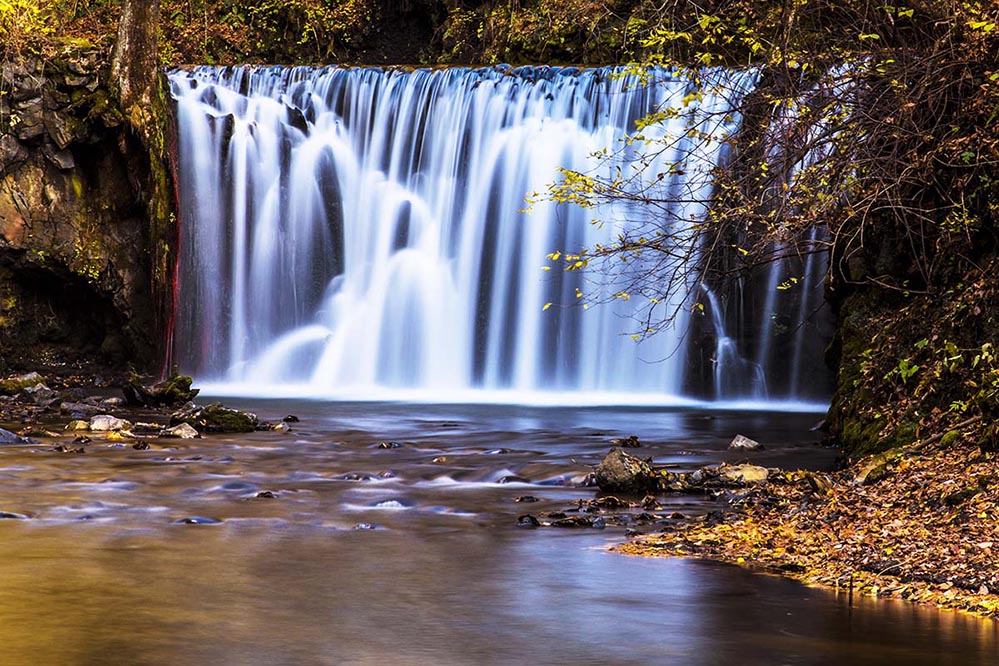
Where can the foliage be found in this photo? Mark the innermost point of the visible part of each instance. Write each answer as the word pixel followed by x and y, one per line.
pixel 926 532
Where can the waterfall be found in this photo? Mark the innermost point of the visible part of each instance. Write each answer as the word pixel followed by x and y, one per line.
pixel 361 233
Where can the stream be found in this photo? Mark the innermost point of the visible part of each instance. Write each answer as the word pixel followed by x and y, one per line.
pixel 392 538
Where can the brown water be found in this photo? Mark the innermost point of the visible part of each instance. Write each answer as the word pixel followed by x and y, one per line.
pixel 102 572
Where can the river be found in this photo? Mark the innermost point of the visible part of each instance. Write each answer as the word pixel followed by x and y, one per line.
pixel 410 553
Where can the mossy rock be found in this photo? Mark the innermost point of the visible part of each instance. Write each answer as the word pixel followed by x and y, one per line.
pixel 14 385
pixel 175 390
pixel 216 418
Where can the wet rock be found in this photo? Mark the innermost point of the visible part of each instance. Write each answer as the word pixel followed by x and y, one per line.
pixel 390 445
pixel 620 472
pixel 215 418
pixel 7 437
pixel 575 521
pixel 68 449
pixel 174 391
pixel 630 442
pixel 741 475
pixel 439 460
pixel 267 494
pixel 527 520
pixel 527 499
pixel 78 425
pixel 140 446
pixel 198 520
pixel 361 527
pixel 119 436
pixel 513 478
pixel 743 443
pixel 111 403
pixel 278 427
pixel 291 418
pixel 650 503
pixel 82 441
pixel 180 431
pixel 108 423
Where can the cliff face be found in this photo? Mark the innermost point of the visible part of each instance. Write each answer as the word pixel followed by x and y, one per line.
pixel 75 267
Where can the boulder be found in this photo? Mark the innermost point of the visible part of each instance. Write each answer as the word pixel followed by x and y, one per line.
pixel 743 443
pixel 79 424
pixel 620 472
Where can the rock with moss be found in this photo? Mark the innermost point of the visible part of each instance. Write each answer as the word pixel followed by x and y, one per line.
pixel 215 418
pixel 174 391
pixel 16 384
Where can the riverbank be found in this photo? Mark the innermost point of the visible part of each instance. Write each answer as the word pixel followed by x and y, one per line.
pixel 921 526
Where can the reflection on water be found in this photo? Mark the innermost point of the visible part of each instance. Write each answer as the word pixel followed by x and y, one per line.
pixel 448 579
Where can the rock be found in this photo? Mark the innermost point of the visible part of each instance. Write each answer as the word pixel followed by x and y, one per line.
pixel 743 443
pixel 14 385
pixel 198 520
pixel 180 431
pixel 874 468
pixel 215 418
pixel 79 409
pixel 147 428
pixel 77 425
pixel 106 422
pixel 111 403
pixel 278 427
pixel 119 436
pixel 630 442
pixel 267 494
pixel 173 391
pixel 140 446
pixel 291 418
pixel 11 150
pixel 620 472
pixel 527 520
pixel 41 393
pixel 7 437
pixel 526 498
pixel 741 475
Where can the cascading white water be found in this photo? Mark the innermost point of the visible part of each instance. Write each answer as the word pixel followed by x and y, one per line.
pixel 357 232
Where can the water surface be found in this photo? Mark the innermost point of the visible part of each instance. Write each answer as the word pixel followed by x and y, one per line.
pixel 410 554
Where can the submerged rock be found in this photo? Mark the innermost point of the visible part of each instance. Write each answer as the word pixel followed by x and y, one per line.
pixel 620 472
pixel 743 443
pixel 198 520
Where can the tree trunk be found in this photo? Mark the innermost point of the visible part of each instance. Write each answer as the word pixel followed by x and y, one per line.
pixel 138 82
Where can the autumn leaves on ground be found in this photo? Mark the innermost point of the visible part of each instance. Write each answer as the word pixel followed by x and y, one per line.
pixel 920 525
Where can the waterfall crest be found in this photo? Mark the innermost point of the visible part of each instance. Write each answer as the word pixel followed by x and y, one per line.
pixel 361 233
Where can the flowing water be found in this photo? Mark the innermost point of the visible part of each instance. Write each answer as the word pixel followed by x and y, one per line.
pixel 410 553
pixel 356 232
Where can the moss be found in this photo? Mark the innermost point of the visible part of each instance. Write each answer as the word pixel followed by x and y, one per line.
pixel 216 418
pixel 949 438
pixel 14 385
